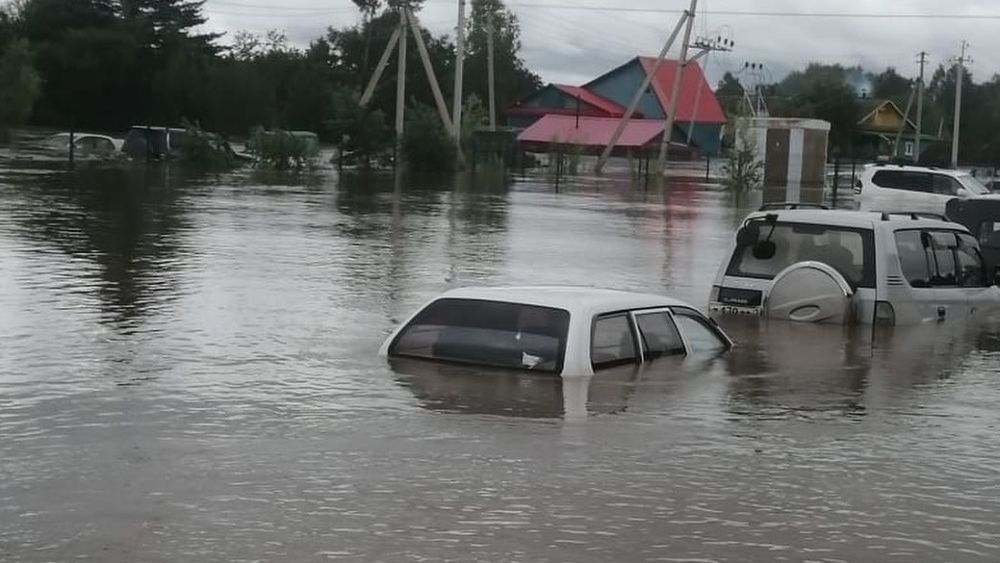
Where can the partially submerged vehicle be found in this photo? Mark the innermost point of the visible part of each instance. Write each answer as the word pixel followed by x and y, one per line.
pixel 563 331
pixel 818 265
pixel 924 188
pixel 982 217
pixel 145 142
pixel 85 145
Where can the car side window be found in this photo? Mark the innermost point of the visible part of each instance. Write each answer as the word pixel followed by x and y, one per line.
pixel 971 270
pixel 699 336
pixel 942 249
pixel 659 335
pixel 913 258
pixel 945 185
pixel 612 342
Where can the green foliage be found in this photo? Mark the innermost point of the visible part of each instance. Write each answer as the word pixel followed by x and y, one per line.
pixel 282 150
pixel 828 92
pixel 19 84
pixel 513 79
pixel 361 133
pixel 426 145
pixel 474 116
pixel 202 149
pixel 730 95
pixel 742 170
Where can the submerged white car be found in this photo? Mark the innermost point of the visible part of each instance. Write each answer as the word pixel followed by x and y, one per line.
pixel 817 265
pixel 565 331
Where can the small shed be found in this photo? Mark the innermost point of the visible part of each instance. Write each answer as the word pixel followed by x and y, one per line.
pixel 792 149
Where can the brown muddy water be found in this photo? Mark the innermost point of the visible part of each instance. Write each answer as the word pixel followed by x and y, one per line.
pixel 188 372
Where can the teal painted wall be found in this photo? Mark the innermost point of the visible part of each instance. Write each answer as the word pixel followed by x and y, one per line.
pixel 706 137
pixel 620 85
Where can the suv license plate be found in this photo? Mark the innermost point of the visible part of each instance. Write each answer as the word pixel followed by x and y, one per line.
pixel 735 310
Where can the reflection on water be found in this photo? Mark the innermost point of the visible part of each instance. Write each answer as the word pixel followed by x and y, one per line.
pixel 188 372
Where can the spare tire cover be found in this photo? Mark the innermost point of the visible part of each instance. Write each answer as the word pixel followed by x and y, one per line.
pixel 811 292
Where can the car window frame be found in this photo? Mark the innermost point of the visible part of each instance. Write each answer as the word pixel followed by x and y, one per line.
pixel 932 261
pixel 707 322
pixel 636 344
pixel 635 313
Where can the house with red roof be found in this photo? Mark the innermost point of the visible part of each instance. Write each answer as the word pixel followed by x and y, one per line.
pixel 599 102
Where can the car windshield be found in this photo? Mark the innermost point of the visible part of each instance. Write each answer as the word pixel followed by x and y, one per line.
pixel 850 251
pixel 491 333
pixel 974 186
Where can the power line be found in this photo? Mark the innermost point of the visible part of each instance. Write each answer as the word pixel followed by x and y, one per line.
pixel 773 14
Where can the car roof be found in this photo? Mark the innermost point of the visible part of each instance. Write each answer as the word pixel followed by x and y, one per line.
pixel 569 298
pixel 912 168
pixel 857 219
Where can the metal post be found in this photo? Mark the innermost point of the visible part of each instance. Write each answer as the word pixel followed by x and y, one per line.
pixel 401 84
pixel 708 168
pixel 72 147
pixel 668 129
pixel 459 74
pixel 836 179
pixel 920 107
pixel 959 78
pixel 491 72
pixel 639 94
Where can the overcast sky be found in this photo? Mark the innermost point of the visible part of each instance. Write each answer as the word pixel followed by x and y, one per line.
pixel 574 45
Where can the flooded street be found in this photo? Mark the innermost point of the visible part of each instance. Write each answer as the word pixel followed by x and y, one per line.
pixel 188 372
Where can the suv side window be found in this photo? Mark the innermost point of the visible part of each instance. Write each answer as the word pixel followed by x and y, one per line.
pixel 971 270
pixel 612 342
pixel 941 246
pixel 913 258
pixel 946 185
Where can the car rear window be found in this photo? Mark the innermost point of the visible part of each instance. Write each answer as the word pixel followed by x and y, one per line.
pixel 490 333
pixel 850 251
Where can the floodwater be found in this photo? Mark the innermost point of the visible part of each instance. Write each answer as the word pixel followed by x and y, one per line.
pixel 188 372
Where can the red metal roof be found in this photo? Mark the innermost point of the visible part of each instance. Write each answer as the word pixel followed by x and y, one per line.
pixel 592 131
pixel 707 109
pixel 612 108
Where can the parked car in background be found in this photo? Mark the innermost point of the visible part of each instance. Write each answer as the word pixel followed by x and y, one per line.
pixel 817 265
pixel 84 144
pixel 563 331
pixel 914 188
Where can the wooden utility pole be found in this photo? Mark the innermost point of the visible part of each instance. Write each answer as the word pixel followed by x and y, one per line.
pixel 638 95
pixel 668 129
pixel 920 107
pixel 401 83
pixel 380 69
pixel 906 119
pixel 491 72
pixel 429 70
pixel 457 101
pixel 959 79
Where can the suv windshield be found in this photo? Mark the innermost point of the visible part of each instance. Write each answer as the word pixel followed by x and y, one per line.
pixel 850 251
pixel 492 333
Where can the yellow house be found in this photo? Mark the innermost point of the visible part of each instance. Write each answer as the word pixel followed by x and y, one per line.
pixel 880 125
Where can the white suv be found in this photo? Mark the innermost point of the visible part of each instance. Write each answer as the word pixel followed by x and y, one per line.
pixel 919 188
pixel 818 265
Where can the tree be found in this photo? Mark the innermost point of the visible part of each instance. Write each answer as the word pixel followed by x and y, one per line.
pixel 19 84
pixel 827 92
pixel 513 80
pixel 889 85
pixel 168 24
pixel 730 94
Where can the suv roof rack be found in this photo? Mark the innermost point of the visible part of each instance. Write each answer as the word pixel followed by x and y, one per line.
pixel 914 215
pixel 791 205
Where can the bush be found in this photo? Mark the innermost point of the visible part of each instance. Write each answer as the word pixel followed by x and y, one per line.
pixel 743 172
pixel 283 150
pixel 427 147
pixel 20 84
pixel 203 149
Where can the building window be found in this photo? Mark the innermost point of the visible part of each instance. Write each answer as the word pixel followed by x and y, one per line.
pixel 908 148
